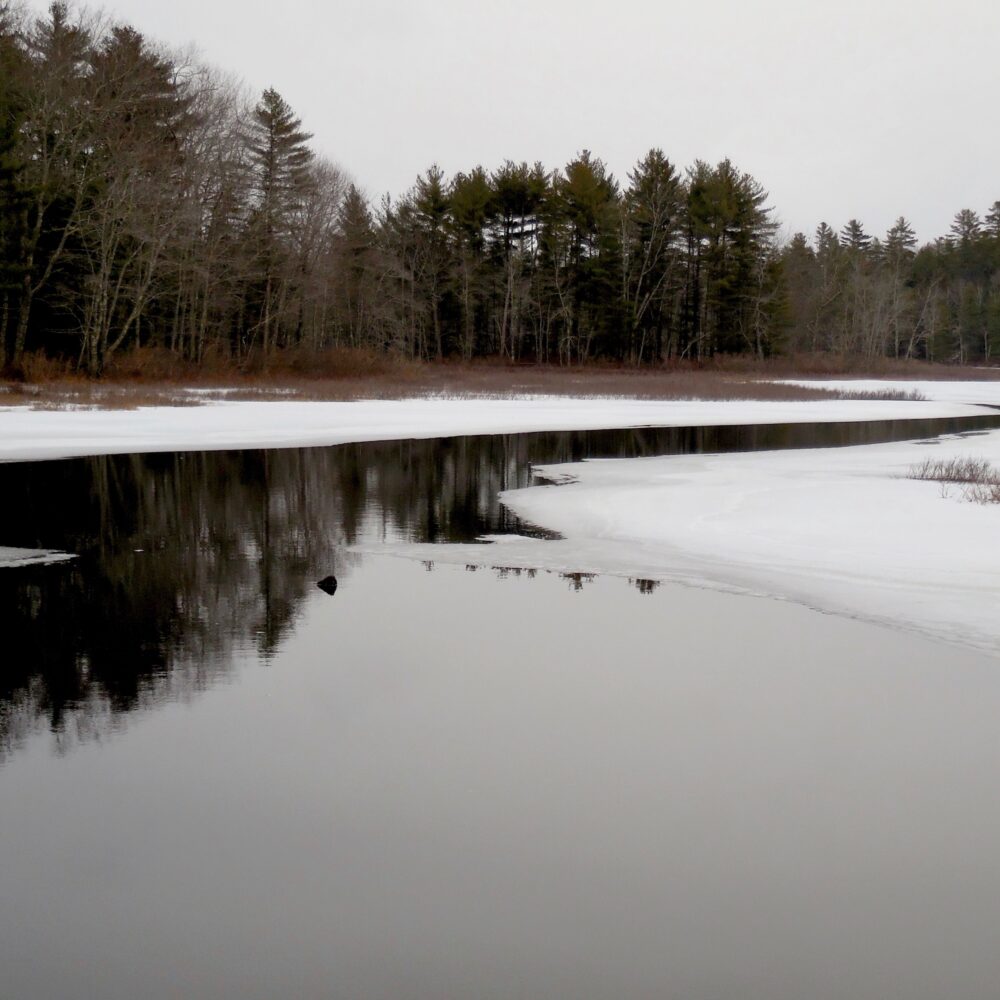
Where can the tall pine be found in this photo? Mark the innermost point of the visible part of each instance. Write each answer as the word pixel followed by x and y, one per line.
pixel 280 160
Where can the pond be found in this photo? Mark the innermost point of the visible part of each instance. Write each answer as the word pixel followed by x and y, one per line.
pixel 220 779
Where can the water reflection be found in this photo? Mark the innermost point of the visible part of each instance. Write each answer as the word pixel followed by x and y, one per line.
pixel 186 561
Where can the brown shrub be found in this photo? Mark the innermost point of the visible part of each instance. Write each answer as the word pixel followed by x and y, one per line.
pixel 955 470
pixel 980 482
pixel 37 367
pixel 151 364
pixel 333 362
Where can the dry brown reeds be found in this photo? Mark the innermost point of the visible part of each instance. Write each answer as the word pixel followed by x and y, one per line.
pixel 152 375
pixel 979 480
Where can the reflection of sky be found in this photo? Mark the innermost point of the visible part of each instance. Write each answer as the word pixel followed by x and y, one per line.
pixel 456 784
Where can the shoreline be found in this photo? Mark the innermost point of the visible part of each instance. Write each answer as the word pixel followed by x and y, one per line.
pixel 352 380
pixel 847 531
pixel 30 434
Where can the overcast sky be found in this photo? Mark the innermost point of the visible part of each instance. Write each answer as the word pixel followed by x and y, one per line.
pixel 870 109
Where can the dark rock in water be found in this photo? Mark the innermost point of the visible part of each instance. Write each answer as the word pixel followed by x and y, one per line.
pixel 328 584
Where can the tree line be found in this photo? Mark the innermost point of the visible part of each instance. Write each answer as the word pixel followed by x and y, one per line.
pixel 853 294
pixel 148 201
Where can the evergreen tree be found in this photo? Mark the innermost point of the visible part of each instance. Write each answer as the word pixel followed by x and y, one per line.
pixel 14 200
pixel 129 211
pixel 966 226
pixel 522 194
pixel 652 224
pixel 280 159
pixel 854 238
pixel 900 241
pixel 900 244
pixel 55 142
pixel 993 220
pixel 827 242
pixel 731 274
pixel 472 204
pixel 586 204
pixel 356 265
pixel 431 208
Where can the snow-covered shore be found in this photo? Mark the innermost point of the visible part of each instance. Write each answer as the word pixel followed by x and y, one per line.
pixel 32 434
pixel 841 530
pixel 985 392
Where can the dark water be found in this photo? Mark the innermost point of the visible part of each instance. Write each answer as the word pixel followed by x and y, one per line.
pixel 218 780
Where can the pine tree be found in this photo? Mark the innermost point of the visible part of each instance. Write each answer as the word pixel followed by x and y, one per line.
pixel 966 226
pixel 472 205
pixel 652 224
pixel 993 219
pixel 854 238
pixel 56 141
pixel 280 160
pixel 730 239
pixel 588 203
pixel 355 264
pixel 898 253
pixel 130 209
pixel 900 241
pixel 827 241
pixel 521 195
pixel 431 208
pixel 14 199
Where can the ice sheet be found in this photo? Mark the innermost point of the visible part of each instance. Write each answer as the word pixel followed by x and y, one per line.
pixel 29 434
pixel 841 530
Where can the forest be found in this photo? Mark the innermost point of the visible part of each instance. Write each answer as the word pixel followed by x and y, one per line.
pixel 149 202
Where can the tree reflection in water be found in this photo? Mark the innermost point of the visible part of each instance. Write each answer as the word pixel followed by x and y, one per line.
pixel 185 561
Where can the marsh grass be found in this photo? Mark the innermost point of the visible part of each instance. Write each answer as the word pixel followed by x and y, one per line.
pixel 978 479
pixel 347 375
pixel 152 376
pixel 913 395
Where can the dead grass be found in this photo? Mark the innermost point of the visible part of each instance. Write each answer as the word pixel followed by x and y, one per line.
pixel 846 366
pixel 913 395
pixel 151 376
pixel 979 480
pixel 451 380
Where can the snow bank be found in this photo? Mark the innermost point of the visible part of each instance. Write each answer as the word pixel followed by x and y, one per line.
pixel 28 557
pixel 841 530
pixel 28 434
pixel 986 393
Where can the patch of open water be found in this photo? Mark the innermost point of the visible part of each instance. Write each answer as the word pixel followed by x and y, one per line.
pixel 218 779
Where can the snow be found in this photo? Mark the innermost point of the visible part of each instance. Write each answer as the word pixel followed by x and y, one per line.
pixel 983 392
pixel 28 557
pixel 32 434
pixel 841 530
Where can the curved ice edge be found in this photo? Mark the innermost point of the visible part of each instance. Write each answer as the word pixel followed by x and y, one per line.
pixel 28 434
pixel 13 558
pixel 486 554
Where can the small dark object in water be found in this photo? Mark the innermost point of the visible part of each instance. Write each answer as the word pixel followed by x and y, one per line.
pixel 328 584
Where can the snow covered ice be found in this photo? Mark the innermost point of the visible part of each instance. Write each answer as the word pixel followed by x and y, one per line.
pixel 28 434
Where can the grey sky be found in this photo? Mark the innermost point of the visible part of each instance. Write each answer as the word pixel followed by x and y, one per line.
pixel 851 108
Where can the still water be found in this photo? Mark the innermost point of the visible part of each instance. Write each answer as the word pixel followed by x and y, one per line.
pixel 218 780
